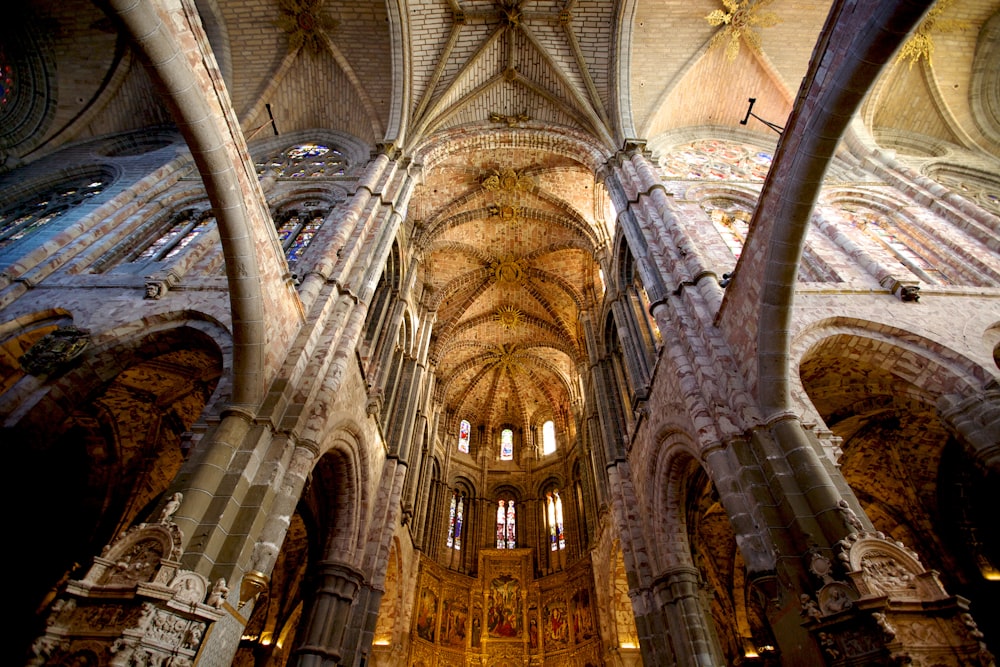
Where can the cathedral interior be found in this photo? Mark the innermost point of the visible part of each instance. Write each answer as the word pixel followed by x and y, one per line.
pixel 501 332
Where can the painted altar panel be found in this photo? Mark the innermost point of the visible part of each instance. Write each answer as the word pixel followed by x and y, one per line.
pixel 504 616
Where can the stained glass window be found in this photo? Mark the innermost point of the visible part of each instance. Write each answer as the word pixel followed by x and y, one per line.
pixel 309 160
pixel 711 159
pixel 883 239
pixel 186 228
pixel 732 221
pixel 506 445
pixel 554 514
pixel 463 437
pixel 297 232
pixel 548 437
pixel 456 514
pixel 506 524
pixel 459 512
pixel 18 222
pixel 6 79
pixel 511 526
pixel 451 521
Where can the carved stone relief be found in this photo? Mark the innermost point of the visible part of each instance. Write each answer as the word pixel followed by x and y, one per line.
pixel 134 607
pixel 54 350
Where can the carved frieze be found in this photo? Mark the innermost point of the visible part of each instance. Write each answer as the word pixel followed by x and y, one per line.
pixel 134 606
pixel 880 567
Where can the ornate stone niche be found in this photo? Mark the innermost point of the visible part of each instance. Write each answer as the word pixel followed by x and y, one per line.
pixel 135 607
pixel 888 610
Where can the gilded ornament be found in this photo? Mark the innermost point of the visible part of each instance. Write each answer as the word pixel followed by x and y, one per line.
pixel 507 180
pixel 507 270
pixel 305 23
pixel 508 316
pixel 920 46
pixel 741 21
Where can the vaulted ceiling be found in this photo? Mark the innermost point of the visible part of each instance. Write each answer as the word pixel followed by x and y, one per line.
pixel 509 237
pixel 509 244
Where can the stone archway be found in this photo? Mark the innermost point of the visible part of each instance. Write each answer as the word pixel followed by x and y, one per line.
pixel 913 478
pixel 99 449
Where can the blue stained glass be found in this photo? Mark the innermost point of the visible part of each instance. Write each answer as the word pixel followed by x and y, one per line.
pixel 195 232
pixel 506 445
pixel 451 523
pixel 458 522
pixel 463 437
pixel 165 239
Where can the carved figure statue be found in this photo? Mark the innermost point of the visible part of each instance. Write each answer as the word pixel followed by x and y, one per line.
pixel 810 609
pixel 171 507
pixel 888 631
pixel 218 595
pixel 850 516
pixel 193 637
pixel 154 289
pixel 839 600
pixel 829 645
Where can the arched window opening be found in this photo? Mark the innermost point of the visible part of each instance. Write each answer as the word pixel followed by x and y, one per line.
pixel 187 227
pixel 297 231
pixel 22 220
pixel 887 239
pixel 507 445
pixel 732 221
pixel 716 160
pixel 554 517
pixel 638 298
pixel 463 436
pixel 456 517
pixel 307 160
pixel 548 437
pixel 506 524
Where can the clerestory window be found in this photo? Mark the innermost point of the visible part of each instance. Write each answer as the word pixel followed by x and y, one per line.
pixel 554 519
pixel 463 436
pixel 187 227
pixel 506 524
pixel 456 516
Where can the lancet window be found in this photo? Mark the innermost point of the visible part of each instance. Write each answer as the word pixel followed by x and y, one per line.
pixel 297 230
pixel 732 222
pixel 507 445
pixel 731 219
pixel 548 437
pixel 456 518
pixel 464 429
pixel 30 216
pixel 186 227
pixel 554 520
pixel 506 523
pixel 886 239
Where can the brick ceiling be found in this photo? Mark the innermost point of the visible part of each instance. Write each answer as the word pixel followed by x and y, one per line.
pixel 509 263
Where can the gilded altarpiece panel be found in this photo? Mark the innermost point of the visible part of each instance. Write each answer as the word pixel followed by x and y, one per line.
pixel 504 617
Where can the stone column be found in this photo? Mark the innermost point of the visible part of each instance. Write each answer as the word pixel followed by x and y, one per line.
pixel 679 594
pixel 328 616
pixel 975 421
